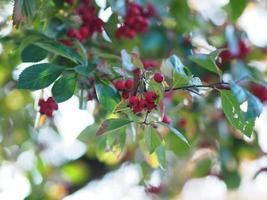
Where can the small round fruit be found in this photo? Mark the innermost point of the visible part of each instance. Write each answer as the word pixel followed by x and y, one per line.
pixel 158 77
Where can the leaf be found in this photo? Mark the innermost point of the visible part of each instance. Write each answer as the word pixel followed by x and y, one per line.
pixel 234 114
pixel 85 70
pixel 237 8
pixel 82 51
pixel 60 49
pixel 39 76
pixel 64 88
pixel 110 125
pixel 152 139
pixel 161 157
pixel 207 61
pixel 255 107
pixel 126 60
pixel 118 6
pixel 107 96
pixel 176 132
pixel 33 53
pixel 174 69
pixel 238 92
pixel 23 11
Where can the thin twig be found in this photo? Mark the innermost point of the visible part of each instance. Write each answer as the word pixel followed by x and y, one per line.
pixel 212 86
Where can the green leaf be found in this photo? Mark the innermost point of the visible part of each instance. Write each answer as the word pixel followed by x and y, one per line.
pixel 238 92
pixel 85 70
pixel 110 125
pixel 118 6
pixel 60 49
pixel 82 51
pixel 126 60
pixel 237 8
pixel 161 157
pixel 176 132
pixel 64 88
pixel 39 76
pixel 33 53
pixel 174 69
pixel 255 107
pixel 24 11
pixel 107 96
pixel 152 139
pixel 234 114
pixel 207 61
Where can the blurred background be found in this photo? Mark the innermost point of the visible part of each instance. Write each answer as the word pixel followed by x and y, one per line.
pixel 62 160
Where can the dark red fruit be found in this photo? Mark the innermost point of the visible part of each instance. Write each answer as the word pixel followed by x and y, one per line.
pixel 158 77
pixel 150 64
pixel 129 84
pixel 125 94
pixel 183 122
pixel 133 100
pixel 47 107
pixel 259 91
pixel 166 119
pixel 150 96
pixel 120 85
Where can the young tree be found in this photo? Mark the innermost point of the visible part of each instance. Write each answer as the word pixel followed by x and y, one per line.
pixel 157 92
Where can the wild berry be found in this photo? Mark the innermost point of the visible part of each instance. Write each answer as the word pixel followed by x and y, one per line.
pixel 125 94
pixel 150 96
pixel 166 119
pixel 259 91
pixel 150 64
pixel 133 100
pixel 129 84
pixel 120 85
pixel 47 107
pixel 158 77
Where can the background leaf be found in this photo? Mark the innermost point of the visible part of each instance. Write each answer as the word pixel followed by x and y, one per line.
pixel 110 125
pixel 152 139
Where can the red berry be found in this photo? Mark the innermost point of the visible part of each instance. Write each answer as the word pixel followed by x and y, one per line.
pixel 129 84
pixel 158 77
pixel 125 95
pixel 133 100
pixel 166 119
pixel 66 42
pixel 47 107
pixel 150 96
pixel 259 91
pixel 120 85
pixel 148 64
pixel 183 122
pixel 150 106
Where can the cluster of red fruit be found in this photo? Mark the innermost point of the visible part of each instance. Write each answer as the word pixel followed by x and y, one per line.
pixel 47 107
pixel 243 51
pixel 138 102
pixel 151 64
pixel 259 91
pixel 136 20
pixel 90 22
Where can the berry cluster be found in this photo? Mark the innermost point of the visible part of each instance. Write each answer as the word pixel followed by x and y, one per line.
pixel 136 20
pixel 243 51
pixel 150 64
pixel 259 91
pixel 47 107
pixel 144 100
pixel 90 22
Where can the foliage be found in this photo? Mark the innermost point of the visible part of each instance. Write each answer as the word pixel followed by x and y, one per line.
pixel 154 93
